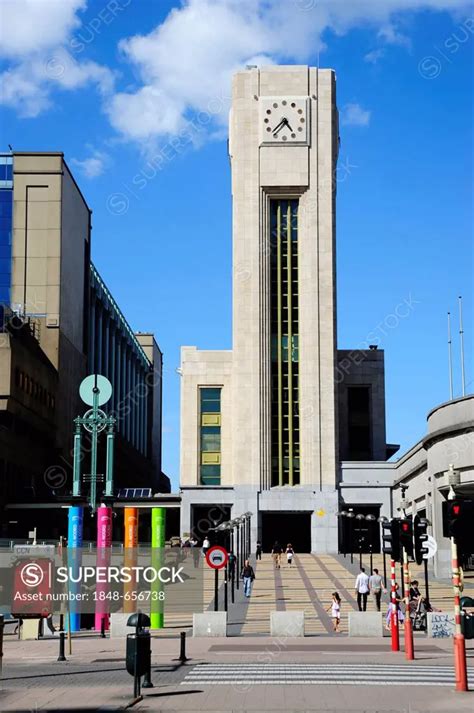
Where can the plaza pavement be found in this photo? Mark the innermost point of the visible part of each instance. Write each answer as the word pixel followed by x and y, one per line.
pixel 248 671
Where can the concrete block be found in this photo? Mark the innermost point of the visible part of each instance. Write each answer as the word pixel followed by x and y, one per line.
pixel 440 625
pixel 210 624
pixel 365 623
pixel 29 629
pixel 286 623
pixel 118 626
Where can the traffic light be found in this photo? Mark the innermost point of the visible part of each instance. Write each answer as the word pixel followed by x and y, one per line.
pixel 391 539
pixel 420 535
pixel 457 521
pixel 406 536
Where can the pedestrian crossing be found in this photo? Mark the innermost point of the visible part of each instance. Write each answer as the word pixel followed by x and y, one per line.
pixel 251 674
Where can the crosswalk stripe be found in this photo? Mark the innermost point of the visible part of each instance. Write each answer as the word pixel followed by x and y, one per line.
pixel 314 674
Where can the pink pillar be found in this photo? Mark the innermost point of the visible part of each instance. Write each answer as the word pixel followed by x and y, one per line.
pixel 104 541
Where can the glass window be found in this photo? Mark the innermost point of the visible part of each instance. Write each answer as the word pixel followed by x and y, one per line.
pixel 210 394
pixel 210 442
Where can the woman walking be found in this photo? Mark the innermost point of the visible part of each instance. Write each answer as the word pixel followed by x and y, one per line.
pixel 276 554
pixel 335 608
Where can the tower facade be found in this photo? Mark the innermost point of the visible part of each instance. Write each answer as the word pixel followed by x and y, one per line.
pixel 258 427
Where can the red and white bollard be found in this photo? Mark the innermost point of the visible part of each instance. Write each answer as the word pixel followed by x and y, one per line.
pixel 460 667
pixel 394 613
pixel 409 644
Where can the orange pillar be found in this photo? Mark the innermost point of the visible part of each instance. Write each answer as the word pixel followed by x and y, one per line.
pixel 130 543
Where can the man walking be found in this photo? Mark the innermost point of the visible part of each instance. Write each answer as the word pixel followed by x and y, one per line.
pixel 248 575
pixel 362 589
pixel 376 585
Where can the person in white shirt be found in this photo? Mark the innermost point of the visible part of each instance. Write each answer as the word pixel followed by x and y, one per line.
pixel 376 587
pixel 362 589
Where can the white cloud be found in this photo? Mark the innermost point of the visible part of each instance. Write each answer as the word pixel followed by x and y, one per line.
pixel 184 66
pixel 31 26
pixel 94 165
pixel 374 56
pixel 38 31
pixel 353 114
pixel 388 33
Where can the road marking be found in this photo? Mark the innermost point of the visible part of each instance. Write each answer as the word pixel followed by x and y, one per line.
pixel 310 674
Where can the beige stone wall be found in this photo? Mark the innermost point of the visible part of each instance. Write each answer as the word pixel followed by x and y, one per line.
pixel 260 172
pixel 204 368
pixel 52 230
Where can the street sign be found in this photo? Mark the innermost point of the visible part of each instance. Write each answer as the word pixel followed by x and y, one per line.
pixel 88 386
pixel 432 546
pixel 217 557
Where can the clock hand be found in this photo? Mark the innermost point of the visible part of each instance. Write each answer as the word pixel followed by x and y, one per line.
pixel 278 127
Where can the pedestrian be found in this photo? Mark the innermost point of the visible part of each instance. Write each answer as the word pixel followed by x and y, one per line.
pixel 195 552
pixel 276 554
pixel 231 564
pixel 362 589
pixel 258 551
pixel 376 585
pixel 247 575
pixel 335 608
pixel 398 601
pixel 205 545
pixel 289 554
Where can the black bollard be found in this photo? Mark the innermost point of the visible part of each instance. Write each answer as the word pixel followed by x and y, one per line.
pixel 62 640
pixel 2 626
pixel 61 622
pixel 102 628
pixel 182 647
pixel 147 677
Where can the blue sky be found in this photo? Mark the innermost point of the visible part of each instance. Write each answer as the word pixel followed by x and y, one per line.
pixel 113 84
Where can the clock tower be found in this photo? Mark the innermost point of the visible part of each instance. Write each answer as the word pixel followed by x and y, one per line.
pixel 268 407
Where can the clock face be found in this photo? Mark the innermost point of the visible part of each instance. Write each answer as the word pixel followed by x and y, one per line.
pixel 284 121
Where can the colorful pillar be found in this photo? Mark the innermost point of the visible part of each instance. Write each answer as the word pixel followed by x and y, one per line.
pixel 130 543
pixel 158 522
pixel 104 542
pixel 74 558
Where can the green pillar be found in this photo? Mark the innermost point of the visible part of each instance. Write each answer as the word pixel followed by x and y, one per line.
pixel 158 522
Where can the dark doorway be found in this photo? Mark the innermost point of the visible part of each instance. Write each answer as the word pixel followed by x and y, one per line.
pixel 204 518
pixel 360 535
pixel 294 527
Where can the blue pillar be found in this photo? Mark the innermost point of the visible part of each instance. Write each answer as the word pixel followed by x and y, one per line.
pixel 74 557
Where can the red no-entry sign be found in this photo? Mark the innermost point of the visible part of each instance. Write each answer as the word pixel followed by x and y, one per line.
pixel 217 557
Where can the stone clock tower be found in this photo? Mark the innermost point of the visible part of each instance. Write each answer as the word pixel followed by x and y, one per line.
pixel 258 423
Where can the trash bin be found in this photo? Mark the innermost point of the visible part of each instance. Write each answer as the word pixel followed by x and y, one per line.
pixel 138 653
pixel 467 617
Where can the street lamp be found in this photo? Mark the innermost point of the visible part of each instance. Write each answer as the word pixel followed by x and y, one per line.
pixel 371 518
pixel 247 515
pixel 342 514
pixel 360 517
pixel 236 523
pixel 350 516
pixel 382 520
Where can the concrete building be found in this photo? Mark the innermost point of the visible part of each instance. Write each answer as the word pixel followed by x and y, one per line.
pixel 58 323
pixel 285 425
pixel 259 423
